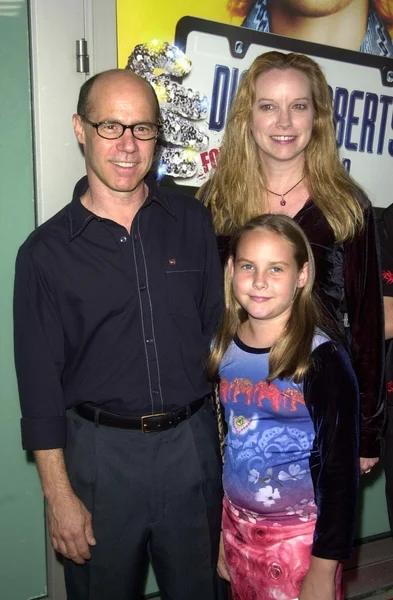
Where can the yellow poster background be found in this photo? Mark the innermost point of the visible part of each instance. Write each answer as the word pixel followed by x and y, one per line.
pixel 139 22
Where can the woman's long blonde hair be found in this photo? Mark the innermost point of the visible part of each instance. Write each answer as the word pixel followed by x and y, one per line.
pixel 290 356
pixel 236 191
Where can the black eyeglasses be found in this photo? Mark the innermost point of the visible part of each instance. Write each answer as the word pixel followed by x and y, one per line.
pixel 111 130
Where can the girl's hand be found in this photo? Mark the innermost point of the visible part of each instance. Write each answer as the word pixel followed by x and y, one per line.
pixel 222 568
pixel 319 583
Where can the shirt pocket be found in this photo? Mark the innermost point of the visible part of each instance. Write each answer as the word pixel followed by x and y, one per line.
pixel 184 282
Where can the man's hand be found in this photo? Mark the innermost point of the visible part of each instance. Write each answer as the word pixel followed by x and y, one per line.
pixel 70 528
pixel 319 583
pixel 366 464
pixel 70 525
pixel 222 568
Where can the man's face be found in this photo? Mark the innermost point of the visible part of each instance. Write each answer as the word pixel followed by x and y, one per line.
pixel 119 165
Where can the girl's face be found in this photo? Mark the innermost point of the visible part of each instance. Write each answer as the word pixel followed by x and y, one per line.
pixel 265 275
pixel 282 115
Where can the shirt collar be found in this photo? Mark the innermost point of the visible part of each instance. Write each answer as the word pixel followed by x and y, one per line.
pixel 80 216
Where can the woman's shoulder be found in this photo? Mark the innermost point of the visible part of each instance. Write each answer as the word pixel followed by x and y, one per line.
pixel 361 197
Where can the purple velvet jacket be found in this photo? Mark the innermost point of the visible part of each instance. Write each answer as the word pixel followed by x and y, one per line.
pixel 348 282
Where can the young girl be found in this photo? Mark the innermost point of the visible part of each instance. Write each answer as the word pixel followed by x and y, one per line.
pixel 291 405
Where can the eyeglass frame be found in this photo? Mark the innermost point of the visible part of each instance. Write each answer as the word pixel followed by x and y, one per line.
pixel 130 127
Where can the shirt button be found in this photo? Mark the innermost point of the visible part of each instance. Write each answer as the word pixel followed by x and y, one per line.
pixel 135 236
pixel 142 288
pixel 149 341
pixel 123 239
pixel 155 392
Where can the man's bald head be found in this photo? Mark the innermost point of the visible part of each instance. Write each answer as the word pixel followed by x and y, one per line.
pixel 90 90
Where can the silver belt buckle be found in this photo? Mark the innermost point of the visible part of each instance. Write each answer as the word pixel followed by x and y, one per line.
pixel 146 417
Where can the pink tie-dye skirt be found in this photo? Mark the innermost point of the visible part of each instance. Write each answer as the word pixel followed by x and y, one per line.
pixel 266 561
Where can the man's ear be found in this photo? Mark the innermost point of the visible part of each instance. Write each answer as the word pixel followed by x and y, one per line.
pixel 79 128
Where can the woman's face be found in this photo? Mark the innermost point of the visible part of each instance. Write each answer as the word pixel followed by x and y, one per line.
pixel 282 115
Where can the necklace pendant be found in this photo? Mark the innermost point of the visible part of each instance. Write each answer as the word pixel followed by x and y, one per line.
pixel 282 201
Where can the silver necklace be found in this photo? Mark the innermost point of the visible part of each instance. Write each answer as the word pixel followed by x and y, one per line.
pixel 282 201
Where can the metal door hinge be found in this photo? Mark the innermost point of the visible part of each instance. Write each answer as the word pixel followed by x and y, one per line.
pixel 82 58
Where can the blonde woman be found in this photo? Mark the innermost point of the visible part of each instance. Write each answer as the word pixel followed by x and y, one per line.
pixel 279 156
pixel 291 404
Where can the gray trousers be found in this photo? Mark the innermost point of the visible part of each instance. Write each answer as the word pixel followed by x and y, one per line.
pixel 154 496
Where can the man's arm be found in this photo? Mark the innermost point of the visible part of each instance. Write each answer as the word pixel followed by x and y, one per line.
pixel 70 523
pixel 39 347
pixel 39 361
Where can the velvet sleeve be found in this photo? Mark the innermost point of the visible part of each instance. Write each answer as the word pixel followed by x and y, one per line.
pixel 363 292
pixel 332 397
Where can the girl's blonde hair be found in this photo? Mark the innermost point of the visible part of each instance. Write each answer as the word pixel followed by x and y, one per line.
pixel 236 191
pixel 290 356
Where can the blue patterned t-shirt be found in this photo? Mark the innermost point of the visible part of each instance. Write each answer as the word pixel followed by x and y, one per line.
pixel 269 440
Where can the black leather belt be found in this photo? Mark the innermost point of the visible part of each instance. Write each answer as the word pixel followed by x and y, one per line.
pixel 146 423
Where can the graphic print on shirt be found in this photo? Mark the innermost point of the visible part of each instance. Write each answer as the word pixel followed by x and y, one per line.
pixel 387 276
pixel 269 441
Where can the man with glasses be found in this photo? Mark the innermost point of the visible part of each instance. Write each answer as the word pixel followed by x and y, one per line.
pixel 116 300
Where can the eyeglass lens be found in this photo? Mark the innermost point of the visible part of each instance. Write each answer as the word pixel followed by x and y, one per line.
pixel 142 131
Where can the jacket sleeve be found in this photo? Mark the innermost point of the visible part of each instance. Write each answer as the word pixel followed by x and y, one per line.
pixel 39 354
pixel 332 397
pixel 363 293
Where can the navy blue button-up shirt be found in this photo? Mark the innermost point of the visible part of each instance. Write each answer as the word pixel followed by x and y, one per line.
pixel 122 321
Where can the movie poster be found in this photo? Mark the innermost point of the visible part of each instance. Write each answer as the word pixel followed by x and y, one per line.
pixel 195 54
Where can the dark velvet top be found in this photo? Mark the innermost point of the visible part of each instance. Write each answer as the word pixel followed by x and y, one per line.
pixel 348 281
